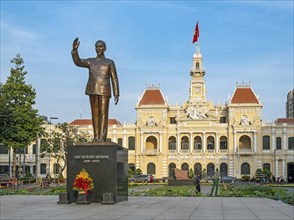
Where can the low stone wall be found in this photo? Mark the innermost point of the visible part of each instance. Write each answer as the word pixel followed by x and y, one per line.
pixel 181 182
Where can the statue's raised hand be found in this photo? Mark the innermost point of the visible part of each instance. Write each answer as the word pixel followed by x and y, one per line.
pixel 75 44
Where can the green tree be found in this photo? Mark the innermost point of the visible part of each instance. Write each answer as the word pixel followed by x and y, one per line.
pixel 57 142
pixel 19 121
pixel 138 171
pixel 267 173
pixel 191 173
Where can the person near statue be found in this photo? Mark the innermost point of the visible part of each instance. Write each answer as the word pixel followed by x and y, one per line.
pixel 102 72
pixel 197 178
pixel 215 184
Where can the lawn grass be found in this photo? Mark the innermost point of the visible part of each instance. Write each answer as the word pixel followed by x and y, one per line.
pixel 226 190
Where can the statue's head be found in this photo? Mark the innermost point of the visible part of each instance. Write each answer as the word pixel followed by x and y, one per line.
pixel 100 46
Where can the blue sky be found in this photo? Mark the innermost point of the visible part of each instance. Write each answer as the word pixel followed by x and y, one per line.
pixel 150 42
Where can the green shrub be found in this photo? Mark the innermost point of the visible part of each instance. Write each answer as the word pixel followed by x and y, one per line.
pixel 191 173
pixel 245 178
pixel 258 175
pixel 28 176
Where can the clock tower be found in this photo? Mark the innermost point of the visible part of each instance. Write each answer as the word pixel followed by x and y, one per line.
pixel 197 84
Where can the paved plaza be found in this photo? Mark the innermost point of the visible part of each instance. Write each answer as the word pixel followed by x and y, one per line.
pixel 46 207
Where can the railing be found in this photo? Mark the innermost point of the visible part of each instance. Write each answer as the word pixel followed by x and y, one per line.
pixel 245 151
pixel 151 152
pixel 172 151
pixel 184 151
pixel 210 151
pixel 197 151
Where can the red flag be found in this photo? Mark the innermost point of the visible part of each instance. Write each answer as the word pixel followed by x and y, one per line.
pixel 196 34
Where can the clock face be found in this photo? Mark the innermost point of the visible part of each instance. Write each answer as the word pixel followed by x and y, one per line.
pixel 197 89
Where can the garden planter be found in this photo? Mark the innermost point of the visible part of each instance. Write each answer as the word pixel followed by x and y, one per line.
pixel 83 198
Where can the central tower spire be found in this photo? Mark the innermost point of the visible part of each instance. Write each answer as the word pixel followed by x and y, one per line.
pixel 197 83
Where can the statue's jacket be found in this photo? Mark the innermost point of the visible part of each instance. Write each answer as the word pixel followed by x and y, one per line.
pixel 101 70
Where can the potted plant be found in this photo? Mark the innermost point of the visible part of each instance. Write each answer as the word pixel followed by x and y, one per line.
pixel 83 183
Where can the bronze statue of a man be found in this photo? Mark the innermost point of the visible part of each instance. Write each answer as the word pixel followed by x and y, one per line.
pixel 101 71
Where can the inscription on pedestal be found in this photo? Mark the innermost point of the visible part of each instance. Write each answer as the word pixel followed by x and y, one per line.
pixel 101 162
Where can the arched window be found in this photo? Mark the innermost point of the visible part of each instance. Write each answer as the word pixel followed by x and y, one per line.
pixel 132 167
pixel 42 168
pixel 197 168
pixel 151 168
pixel 210 143
pixel 171 168
pixel 266 166
pixel 185 166
pixel 244 143
pixel 278 143
pixel 27 169
pixel 245 169
pixel 197 143
pixel 266 142
pixel 223 143
pixel 131 143
pixel 119 141
pixel 172 144
pixel 223 169
pixel 151 144
pixel 197 66
pixel 291 143
pixel 210 169
pixel 185 143
pixel 56 168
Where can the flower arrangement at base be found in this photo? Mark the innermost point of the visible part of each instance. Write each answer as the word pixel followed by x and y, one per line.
pixel 83 182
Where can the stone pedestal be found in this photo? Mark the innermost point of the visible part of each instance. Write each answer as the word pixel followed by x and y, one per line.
pixel 107 165
pixel 107 198
pixel 83 199
pixel 64 198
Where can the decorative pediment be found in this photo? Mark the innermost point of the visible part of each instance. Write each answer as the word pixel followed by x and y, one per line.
pixel 194 113
pixel 151 122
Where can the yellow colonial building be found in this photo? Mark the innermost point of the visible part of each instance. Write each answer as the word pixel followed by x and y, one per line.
pixel 197 134
pixel 200 135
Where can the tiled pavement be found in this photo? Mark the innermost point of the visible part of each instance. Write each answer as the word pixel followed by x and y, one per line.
pixel 46 207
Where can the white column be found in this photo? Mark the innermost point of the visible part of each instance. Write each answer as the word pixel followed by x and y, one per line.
pixel 142 142
pixel 277 168
pixel 114 137
pixel 283 167
pixel 285 138
pixel 273 140
pixel 11 160
pixel 125 139
pixel 235 142
pixel 31 152
pixel 38 144
pixel 160 142
pixel 178 142
pixel 204 141
pixel 254 141
pixel 191 142
pixel 217 142
pixel 191 90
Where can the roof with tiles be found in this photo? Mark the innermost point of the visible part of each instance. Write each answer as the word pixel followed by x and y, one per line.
pixel 284 120
pixel 89 122
pixel 152 96
pixel 244 95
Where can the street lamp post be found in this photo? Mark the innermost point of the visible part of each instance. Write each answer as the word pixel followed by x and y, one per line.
pixel 50 119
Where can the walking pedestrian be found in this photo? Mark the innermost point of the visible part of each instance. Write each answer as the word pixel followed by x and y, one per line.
pixel 197 178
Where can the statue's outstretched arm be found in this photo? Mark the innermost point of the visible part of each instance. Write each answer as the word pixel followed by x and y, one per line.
pixel 75 54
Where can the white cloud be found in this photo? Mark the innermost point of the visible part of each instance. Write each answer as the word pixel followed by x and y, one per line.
pixel 15 33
